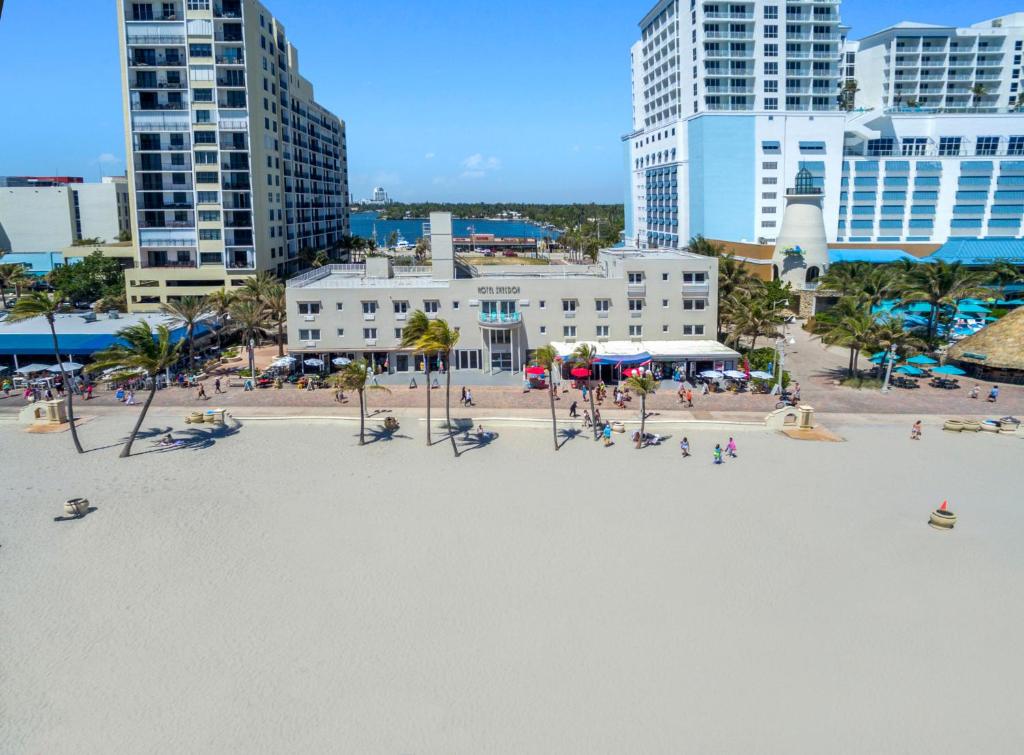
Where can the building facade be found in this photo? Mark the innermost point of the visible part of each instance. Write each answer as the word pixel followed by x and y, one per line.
pixel 233 166
pixel 731 101
pixel 47 216
pixel 663 303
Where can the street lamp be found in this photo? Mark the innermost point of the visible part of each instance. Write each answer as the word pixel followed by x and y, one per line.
pixel 890 358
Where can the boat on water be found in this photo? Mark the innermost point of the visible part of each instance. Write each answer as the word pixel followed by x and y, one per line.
pixel 402 244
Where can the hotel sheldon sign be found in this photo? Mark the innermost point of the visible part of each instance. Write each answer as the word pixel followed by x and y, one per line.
pixel 498 290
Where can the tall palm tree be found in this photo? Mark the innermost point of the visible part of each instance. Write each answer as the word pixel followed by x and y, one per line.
pixel 1005 274
pixel 277 312
pixel 441 339
pixel 415 329
pixel 547 357
pixel 142 349
pixel 643 386
pixel 734 279
pixel 848 325
pixel 585 355
pixel 700 245
pixel 754 318
pixel 10 274
pixel 188 311
pixel 220 305
pixel 249 317
pixel 355 376
pixel 41 304
pixel 941 284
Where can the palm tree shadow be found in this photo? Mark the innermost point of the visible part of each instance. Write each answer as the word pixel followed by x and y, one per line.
pixel 457 427
pixel 569 434
pixel 143 435
pixel 470 441
pixel 75 518
pixel 192 438
pixel 382 434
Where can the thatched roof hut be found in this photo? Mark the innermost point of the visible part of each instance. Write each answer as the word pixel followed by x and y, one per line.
pixel 996 350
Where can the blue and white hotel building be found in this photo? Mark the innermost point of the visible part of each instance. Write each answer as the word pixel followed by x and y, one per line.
pixel 732 99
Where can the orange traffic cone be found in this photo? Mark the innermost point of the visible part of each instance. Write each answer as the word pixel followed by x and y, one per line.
pixel 942 518
pixel 943 506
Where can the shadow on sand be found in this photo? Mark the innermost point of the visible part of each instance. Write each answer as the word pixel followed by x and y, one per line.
pixel 191 438
pixel 75 518
pixel 382 434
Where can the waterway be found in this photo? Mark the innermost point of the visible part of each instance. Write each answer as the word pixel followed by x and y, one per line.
pixel 363 224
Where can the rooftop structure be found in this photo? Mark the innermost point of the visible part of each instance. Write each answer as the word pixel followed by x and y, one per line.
pixel 234 166
pixel 503 312
pixel 49 216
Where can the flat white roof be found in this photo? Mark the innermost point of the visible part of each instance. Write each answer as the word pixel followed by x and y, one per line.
pixel 75 323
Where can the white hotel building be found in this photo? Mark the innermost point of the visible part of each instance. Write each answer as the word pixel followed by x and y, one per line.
pixel 732 99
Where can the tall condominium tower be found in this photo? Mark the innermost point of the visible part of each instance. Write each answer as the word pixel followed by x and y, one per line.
pixel 233 166
pixel 731 101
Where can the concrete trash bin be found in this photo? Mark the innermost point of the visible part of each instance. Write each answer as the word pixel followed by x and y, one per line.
pixel 56 412
pixel 806 419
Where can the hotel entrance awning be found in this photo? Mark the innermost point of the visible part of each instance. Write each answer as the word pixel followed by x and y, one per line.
pixel 636 352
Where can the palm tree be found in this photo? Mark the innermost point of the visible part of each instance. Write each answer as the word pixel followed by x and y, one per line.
pixel 441 339
pixel 978 91
pixel 700 245
pixel 355 376
pixel 260 286
pixel 892 331
pixel 643 386
pixel 220 305
pixel 942 283
pixel 547 357
pixel 1005 274
pixel 848 325
pixel 415 329
pixel 188 311
pixel 868 284
pixel 848 94
pixel 277 313
pixel 754 318
pixel 41 304
pixel 584 356
pixel 142 350
pixel 249 317
pixel 12 275
pixel 734 280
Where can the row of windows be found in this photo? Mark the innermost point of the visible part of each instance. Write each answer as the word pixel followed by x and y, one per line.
pixel 635 304
pixel 568 331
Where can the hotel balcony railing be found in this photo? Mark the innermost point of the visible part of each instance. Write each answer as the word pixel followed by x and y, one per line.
pixel 166 206
pixel 727 15
pixel 230 60
pixel 729 90
pixel 161 85
pixel 156 39
pixel 220 12
pixel 160 106
pixel 157 61
pixel 505 319
pixel 728 35
pixel 695 288
pixel 727 106
pixel 224 81
pixel 166 224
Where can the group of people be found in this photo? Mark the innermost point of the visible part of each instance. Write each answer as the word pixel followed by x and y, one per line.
pixel 467 397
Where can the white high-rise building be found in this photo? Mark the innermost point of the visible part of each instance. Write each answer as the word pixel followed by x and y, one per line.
pixel 732 100
pixel 233 166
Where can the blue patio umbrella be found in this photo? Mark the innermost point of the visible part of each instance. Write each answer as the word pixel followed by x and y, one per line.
pixel 948 369
pixel 908 369
pixel 971 309
pixel 920 306
pixel 922 359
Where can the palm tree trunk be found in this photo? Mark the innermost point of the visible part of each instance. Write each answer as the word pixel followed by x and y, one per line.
pixel 362 419
pixel 426 364
pixel 448 405
pixel 191 349
pixel 127 450
pixel 753 343
pixel 593 411
pixel 643 418
pixel 280 339
pixel 3 296
pixel 849 367
pixel 554 420
pixel 69 391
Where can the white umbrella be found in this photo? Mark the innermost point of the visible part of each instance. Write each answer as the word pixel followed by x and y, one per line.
pixel 287 358
pixel 341 361
pixel 28 369
pixel 761 375
pixel 313 362
pixel 68 367
pixel 715 374
pixel 736 374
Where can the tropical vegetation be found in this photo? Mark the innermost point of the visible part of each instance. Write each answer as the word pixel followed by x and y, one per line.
pixel 546 356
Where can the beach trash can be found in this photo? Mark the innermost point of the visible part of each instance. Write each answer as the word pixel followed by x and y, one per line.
pixel 56 412
pixel 215 416
pixel 806 419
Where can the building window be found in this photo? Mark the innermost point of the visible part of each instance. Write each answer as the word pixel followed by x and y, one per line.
pixel 341 332
pixel 370 334
pixel 568 331
pixel 369 309
pixel 664 276
pixel 635 279
pixel 987 145
pixel 340 305
pixel 636 305
pixel 664 303
pixel 398 334
pixel 636 331
pixel 949 146
pixel 543 330
pixel 569 306
pixel 602 331
pixel 209 234
pixel 209 216
pixel 694 304
pixel 771 103
pixel 1015 146
pixel 200 51
pixel 771 68
pixel 401 307
pixel 602 305
pixel 694 277
pixel 309 335
pixel 542 304
pixel 467 359
pixel 309 307
pixel 769 180
pixel 431 306
pixel 771 12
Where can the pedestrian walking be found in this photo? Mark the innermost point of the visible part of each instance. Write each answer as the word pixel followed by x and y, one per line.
pixel 796 392
pixel 993 394
pixel 469 397
pixel 587 422
pixel 216 386
pixel 915 431
pixel 49 395
pixel 584 390
pixel 689 398
pixel 202 392
pixel 88 391
pixel 572 410
pixel 129 398
pixel 597 416
pixel 718 453
pixel 684 447
pixel 974 392
pixel 704 389
pixel 607 434
pixel 730 448
pixel 7 388
pixel 682 394
pixel 462 398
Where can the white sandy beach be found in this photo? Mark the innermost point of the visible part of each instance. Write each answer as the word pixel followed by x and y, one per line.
pixel 281 590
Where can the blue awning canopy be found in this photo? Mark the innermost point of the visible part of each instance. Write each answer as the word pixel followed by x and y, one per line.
pixel 626 359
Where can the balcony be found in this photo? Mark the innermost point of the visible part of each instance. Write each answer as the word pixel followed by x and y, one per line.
pixel 500 320
pixel 746 15
pixel 157 61
pixel 693 289
pixel 156 39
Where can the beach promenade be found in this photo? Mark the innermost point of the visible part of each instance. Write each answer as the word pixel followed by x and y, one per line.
pixel 273 587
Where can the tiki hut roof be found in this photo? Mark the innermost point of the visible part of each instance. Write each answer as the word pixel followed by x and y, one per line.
pixel 999 345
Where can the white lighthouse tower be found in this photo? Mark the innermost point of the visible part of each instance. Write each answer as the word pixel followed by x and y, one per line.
pixel 801 249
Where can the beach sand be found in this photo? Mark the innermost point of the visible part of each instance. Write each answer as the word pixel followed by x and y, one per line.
pixel 278 589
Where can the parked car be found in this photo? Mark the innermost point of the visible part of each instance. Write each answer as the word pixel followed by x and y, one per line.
pixel 509 253
pixel 488 253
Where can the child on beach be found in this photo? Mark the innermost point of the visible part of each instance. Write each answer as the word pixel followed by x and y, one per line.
pixel 730 448
pixel 718 453
pixel 684 447
pixel 915 431
pixel 202 392
pixel 587 422
pixel 607 434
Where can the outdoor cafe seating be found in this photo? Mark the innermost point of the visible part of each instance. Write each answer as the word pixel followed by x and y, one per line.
pixel 948 384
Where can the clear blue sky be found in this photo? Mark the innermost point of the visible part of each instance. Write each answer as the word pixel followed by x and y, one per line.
pixel 460 100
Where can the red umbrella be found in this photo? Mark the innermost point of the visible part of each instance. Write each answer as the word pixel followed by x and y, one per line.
pixel 580 372
pixel 535 370
pixel 631 371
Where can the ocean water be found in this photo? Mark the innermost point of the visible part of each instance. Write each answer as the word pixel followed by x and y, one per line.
pixel 412 230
